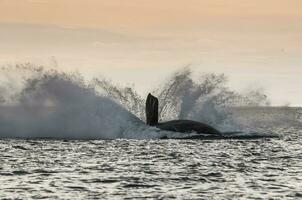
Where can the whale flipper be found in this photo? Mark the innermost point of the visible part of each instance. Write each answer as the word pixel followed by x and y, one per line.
pixel 151 110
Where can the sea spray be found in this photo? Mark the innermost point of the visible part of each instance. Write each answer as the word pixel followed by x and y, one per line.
pixel 44 103
pixel 207 99
pixel 60 105
pixel 125 96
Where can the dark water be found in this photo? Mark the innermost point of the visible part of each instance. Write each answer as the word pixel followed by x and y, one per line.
pixel 155 169
pixel 161 169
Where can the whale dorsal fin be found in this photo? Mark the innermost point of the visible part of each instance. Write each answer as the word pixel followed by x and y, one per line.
pixel 151 110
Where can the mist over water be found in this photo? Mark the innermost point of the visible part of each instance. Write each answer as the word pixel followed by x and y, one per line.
pixel 45 103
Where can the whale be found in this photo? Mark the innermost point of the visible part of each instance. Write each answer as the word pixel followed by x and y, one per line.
pixel 201 131
pixel 180 125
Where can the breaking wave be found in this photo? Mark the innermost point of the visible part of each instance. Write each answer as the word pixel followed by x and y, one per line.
pixel 44 103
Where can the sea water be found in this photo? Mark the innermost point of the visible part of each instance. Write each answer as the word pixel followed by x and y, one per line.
pixel 154 169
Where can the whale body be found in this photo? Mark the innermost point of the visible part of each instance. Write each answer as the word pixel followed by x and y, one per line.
pixel 187 126
pixel 182 126
pixel 201 131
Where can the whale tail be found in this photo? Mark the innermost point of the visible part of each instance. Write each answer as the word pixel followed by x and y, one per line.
pixel 151 110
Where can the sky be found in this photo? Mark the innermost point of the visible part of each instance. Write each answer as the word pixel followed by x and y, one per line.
pixel 257 43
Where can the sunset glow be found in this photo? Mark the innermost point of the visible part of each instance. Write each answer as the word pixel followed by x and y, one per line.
pixel 251 41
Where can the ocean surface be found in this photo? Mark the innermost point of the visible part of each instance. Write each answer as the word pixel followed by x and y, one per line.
pixel 268 168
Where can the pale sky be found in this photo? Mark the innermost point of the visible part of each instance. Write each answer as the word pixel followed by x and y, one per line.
pixel 256 43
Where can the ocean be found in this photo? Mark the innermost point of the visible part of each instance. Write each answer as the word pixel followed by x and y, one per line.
pixel 268 168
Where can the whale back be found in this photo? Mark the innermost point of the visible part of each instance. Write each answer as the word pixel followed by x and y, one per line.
pixel 151 110
pixel 188 126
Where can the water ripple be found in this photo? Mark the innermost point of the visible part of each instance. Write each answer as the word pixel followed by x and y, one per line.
pixel 155 169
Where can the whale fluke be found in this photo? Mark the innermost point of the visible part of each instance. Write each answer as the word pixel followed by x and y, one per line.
pixel 151 110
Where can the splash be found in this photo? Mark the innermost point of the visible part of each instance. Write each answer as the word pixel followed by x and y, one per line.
pixel 206 99
pixel 36 102
pixel 53 104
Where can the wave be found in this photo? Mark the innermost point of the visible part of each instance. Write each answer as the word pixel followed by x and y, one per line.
pixel 45 103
